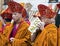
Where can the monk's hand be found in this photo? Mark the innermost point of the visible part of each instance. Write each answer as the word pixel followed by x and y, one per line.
pixel 11 39
pixel 12 21
pixel 41 25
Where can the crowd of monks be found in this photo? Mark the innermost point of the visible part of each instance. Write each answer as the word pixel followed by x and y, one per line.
pixel 14 25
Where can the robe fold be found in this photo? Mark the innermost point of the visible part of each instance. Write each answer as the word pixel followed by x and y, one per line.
pixel 0 26
pixel 4 36
pixel 48 36
pixel 58 37
pixel 22 37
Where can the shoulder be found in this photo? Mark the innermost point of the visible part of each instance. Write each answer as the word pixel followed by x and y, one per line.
pixel 25 24
pixel 51 26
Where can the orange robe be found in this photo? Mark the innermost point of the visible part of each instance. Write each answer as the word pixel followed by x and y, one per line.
pixel 58 37
pixel 4 37
pixel 0 26
pixel 48 36
pixel 22 37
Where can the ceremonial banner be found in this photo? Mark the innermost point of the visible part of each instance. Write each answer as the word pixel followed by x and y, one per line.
pixel 34 25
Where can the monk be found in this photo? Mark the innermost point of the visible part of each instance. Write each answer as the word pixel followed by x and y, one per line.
pixel 48 36
pixel 16 33
pixel 7 15
pixel 20 35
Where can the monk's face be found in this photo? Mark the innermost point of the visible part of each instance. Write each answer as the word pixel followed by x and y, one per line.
pixel 46 20
pixel 16 16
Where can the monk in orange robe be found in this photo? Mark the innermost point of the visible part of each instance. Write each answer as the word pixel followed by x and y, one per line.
pixel 48 36
pixel 16 33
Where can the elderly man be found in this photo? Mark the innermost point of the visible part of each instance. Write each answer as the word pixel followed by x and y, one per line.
pixel 48 36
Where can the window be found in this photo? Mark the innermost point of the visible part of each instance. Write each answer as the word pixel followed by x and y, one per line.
pixel 53 1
